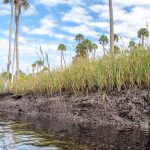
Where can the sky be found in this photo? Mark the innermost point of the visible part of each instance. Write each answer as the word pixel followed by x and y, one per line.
pixel 47 23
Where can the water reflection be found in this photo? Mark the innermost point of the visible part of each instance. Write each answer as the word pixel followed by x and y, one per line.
pixel 18 133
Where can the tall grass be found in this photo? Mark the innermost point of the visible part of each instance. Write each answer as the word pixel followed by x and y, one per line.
pixel 2 82
pixel 110 72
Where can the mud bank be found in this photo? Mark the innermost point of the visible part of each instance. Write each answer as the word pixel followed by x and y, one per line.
pixel 128 108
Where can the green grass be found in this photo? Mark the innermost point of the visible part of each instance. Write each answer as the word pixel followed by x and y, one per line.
pixel 110 72
pixel 2 82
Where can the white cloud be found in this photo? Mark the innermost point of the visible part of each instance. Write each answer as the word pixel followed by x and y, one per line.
pixel 98 8
pixel 47 23
pixel 51 3
pixel 127 20
pixel 27 49
pixel 100 24
pixel 30 11
pixel 83 29
pixel 46 28
pixel 85 20
pixel 4 9
pixel 77 15
pixel 125 3
pixel 46 31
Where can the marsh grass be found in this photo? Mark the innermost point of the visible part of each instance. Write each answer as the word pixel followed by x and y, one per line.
pixel 2 82
pixel 110 72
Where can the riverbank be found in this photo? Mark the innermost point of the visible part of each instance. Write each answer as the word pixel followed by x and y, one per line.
pixel 128 108
pixel 113 89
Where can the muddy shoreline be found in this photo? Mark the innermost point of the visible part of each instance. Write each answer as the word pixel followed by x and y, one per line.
pixel 127 108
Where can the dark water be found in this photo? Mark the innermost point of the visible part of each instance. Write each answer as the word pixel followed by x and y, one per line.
pixel 18 133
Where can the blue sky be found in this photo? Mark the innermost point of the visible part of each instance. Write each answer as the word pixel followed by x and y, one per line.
pixel 50 22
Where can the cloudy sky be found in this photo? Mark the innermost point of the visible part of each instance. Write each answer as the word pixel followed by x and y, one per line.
pixel 50 22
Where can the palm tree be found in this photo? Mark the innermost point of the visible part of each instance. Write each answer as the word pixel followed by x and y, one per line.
pixel 116 38
pixel 142 34
pixel 116 50
pixel 33 67
pixel 111 26
pixel 81 50
pixel 37 65
pixel 40 64
pixel 132 45
pixel 94 47
pixel 22 73
pixel 18 6
pixel 79 37
pixel 103 41
pixel 62 48
pixel 88 44
pixel 10 40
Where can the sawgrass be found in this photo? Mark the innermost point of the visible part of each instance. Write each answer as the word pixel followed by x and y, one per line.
pixel 114 71
pixel 2 82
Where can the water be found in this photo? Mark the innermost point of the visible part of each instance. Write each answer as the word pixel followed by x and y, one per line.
pixel 18 133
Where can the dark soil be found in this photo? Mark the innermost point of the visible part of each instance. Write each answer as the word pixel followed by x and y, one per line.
pixel 128 108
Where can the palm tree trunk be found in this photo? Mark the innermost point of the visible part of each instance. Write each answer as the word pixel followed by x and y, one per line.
pixel 104 50
pixel 32 71
pixel 37 69
pixel 64 59
pixel 142 40
pixel 14 52
pixel 10 42
pixel 111 26
pixel 17 46
pixel 94 53
pixel 13 63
